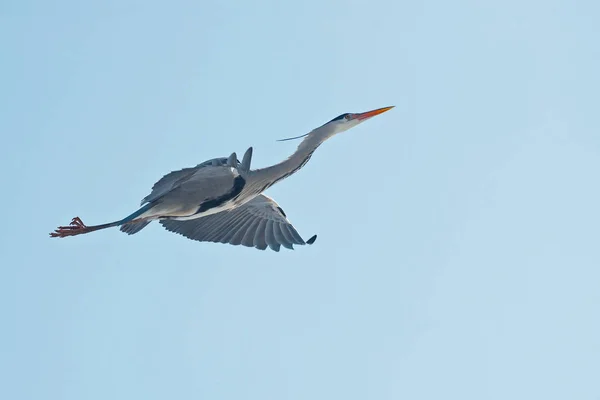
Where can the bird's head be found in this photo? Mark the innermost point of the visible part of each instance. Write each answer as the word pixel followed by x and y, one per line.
pixel 341 123
pixel 350 120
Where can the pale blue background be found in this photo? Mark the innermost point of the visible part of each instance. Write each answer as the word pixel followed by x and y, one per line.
pixel 458 253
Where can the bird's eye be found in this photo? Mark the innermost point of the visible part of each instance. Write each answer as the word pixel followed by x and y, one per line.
pixel 347 117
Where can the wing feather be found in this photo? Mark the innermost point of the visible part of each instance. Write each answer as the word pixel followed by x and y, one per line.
pixel 260 241
pixel 270 236
pixel 168 183
pixel 259 223
pixel 288 234
pixel 279 237
pixel 212 227
pixel 241 231
pixel 298 239
pixel 230 231
pixel 182 192
pixel 248 239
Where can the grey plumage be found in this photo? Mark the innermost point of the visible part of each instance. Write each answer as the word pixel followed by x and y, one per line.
pixel 232 161
pixel 207 190
pixel 246 160
pixel 167 183
pixel 176 178
pixel 133 227
pixel 258 223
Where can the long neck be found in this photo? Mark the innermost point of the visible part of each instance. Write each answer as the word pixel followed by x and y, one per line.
pixel 261 179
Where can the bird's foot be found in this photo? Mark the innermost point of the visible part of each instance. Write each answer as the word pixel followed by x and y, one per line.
pixel 76 227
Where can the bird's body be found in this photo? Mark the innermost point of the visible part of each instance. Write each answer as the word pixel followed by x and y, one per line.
pixel 204 191
pixel 221 200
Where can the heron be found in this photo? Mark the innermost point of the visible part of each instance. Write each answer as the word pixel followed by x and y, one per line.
pixel 222 200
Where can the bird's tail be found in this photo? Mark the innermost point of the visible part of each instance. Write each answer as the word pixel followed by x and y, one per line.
pixel 133 227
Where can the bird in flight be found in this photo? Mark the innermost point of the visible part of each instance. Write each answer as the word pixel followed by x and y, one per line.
pixel 221 200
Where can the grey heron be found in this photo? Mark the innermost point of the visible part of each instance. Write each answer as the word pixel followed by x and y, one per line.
pixel 221 200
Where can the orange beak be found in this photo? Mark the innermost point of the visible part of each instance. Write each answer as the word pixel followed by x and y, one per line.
pixel 370 114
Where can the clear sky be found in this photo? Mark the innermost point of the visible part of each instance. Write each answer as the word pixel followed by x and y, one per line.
pixel 458 254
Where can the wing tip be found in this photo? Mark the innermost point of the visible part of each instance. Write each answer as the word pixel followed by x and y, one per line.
pixel 312 239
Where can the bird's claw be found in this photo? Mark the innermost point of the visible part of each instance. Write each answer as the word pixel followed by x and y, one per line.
pixel 63 231
pixel 77 222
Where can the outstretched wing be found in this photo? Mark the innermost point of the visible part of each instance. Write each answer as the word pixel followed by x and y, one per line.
pixel 168 183
pixel 175 178
pixel 258 223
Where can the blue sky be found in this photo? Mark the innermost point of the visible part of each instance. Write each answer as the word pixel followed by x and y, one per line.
pixel 458 252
